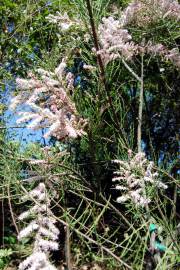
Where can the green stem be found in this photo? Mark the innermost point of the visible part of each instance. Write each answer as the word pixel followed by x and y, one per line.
pixel 139 135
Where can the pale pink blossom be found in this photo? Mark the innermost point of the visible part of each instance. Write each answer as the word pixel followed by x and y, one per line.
pixel 15 101
pixel 89 67
pixel 63 21
pixel 133 177
pixel 37 161
pixel 37 261
pixel 172 55
pixel 34 124
pixel 70 81
pixel 58 112
pixel 47 245
pixel 60 70
pixel 115 41
pixel 33 226
pixel 25 116
pixel 27 84
pixel 144 12
pixel 41 228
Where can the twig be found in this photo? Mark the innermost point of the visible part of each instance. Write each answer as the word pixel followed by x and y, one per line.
pixel 169 176
pixel 63 166
pixel 11 210
pixel 85 198
pixel 2 222
pixel 139 135
pixel 102 70
pixel 131 71
pixel 139 131
pixel 1 127
pixel 68 249
pixel 96 44
pixel 167 226
pixel 116 210
pixel 173 214
pixel 102 247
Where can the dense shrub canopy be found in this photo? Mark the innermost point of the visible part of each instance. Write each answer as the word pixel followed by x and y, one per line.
pixel 97 84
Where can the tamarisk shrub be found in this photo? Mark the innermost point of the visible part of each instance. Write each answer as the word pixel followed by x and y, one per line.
pixel 41 229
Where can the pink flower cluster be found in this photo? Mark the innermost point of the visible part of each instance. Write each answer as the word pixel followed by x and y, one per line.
pixel 172 55
pixel 144 12
pixel 47 94
pixel 42 228
pixel 133 177
pixel 62 20
pixel 115 41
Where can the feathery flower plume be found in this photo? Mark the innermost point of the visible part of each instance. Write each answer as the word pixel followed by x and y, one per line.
pixel 115 41
pixel 63 21
pixel 70 81
pixel 60 70
pixel 133 176
pixel 144 12
pixel 172 55
pixel 47 96
pixel 42 228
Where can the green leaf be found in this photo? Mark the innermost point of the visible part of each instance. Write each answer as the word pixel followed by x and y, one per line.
pixel 5 252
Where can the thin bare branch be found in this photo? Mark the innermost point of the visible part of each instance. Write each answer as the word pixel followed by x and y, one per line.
pixel 11 210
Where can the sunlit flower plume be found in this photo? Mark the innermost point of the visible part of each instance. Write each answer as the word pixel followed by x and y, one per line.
pixel 144 12
pixel 133 178
pixel 47 95
pixel 114 40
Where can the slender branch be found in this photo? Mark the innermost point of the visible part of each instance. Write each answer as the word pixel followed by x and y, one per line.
pixel 173 213
pixel 139 132
pixel 96 44
pixel 102 70
pixel 63 166
pixel 2 219
pixel 139 135
pixel 117 211
pixel 68 249
pixel 174 180
pixel 167 226
pixel 103 77
pixel 86 199
pixel 131 71
pixel 1 127
pixel 107 250
pixel 11 210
